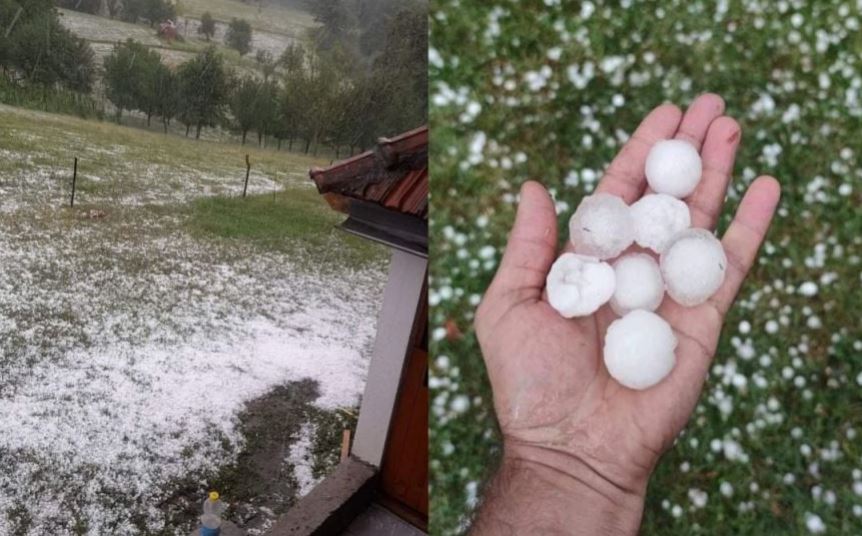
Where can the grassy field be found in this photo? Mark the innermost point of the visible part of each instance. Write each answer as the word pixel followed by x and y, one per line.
pixel 532 90
pixel 271 18
pixel 150 333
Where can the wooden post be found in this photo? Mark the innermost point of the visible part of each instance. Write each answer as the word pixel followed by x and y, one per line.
pixel 247 171
pixel 345 444
pixel 74 180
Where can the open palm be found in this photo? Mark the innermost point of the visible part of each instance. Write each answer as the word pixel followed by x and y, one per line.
pixel 555 401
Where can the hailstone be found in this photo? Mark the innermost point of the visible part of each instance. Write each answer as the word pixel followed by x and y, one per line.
pixel 673 167
pixel 639 349
pixel 693 266
pixel 657 218
pixel 578 285
pixel 601 226
pixel 639 284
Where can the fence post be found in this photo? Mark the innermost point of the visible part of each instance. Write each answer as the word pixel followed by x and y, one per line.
pixel 247 171
pixel 74 180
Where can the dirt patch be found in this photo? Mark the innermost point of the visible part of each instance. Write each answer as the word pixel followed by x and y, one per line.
pixel 262 484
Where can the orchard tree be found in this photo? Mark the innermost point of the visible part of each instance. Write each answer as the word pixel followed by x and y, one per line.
pixel 238 36
pixel 208 26
pixel 203 83
pixel 243 105
pixel 129 71
pixel 166 95
pixel 292 59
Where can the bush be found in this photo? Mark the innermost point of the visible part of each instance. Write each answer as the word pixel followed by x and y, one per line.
pixel 239 36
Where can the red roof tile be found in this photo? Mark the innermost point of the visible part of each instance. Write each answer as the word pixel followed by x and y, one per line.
pixel 394 174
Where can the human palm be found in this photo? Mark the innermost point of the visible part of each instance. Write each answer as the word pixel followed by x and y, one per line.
pixel 555 401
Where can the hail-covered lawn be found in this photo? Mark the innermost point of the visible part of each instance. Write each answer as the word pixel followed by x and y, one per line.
pixel 541 90
pixel 135 328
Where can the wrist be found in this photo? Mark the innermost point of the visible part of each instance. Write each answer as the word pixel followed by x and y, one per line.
pixel 542 491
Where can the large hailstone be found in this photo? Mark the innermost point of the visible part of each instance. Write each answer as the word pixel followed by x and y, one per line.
pixel 639 284
pixel 693 266
pixel 601 226
pixel 578 285
pixel 657 219
pixel 639 349
pixel 673 167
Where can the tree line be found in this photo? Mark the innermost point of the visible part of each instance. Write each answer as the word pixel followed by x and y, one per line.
pixel 344 87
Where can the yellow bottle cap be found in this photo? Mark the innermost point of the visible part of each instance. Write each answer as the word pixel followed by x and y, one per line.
pixel 214 496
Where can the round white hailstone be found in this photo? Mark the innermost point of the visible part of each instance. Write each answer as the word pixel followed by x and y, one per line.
pixel 673 167
pixel 639 349
pixel 693 266
pixel 657 219
pixel 639 284
pixel 601 226
pixel 578 285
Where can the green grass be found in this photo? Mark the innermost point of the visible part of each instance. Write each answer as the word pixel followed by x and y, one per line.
pixel 293 220
pixel 564 135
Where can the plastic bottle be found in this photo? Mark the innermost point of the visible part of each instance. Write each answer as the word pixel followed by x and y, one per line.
pixel 211 520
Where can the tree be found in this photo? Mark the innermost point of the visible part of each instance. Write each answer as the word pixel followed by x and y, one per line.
pixel 292 59
pixel 166 94
pixel 40 50
pixel 153 11
pixel 129 73
pixel 203 85
pixel 208 26
pixel 243 105
pixel 238 36
pixel 266 62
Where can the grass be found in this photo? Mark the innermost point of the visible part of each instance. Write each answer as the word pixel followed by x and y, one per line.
pixel 291 220
pixel 161 254
pixel 519 106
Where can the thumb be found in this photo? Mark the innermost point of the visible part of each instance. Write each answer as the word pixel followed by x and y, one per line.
pixel 532 246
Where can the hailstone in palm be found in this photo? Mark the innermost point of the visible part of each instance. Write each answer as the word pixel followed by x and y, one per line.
pixel 639 349
pixel 578 285
pixel 601 226
pixel 639 284
pixel 693 266
pixel 673 167
pixel 658 218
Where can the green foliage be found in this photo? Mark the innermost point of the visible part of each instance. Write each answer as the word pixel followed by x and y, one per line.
pixel 36 48
pixel 292 59
pixel 131 77
pixel 50 99
pixel 203 84
pixel 238 36
pixel 153 11
pixel 208 26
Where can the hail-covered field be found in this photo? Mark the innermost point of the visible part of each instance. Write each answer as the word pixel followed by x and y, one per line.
pixel 135 328
pixel 551 91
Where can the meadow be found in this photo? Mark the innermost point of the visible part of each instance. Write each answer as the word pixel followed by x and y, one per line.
pixel 160 334
pixel 550 90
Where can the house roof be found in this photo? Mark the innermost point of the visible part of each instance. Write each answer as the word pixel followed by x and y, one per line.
pixel 384 191
pixel 393 175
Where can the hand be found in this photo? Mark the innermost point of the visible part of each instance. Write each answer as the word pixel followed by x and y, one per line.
pixel 575 440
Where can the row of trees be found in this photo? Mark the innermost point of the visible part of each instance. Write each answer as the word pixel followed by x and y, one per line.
pixel 309 103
